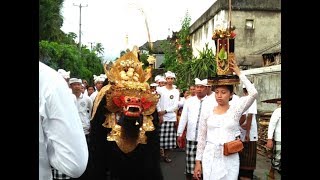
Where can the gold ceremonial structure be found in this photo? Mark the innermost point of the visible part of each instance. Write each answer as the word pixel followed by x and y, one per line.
pixel 225 46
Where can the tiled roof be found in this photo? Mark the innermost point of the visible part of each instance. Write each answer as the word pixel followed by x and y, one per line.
pixel 156 47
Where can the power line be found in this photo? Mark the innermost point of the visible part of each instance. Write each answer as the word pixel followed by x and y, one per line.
pixel 80 6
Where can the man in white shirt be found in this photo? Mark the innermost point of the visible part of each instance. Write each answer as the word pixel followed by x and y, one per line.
pixel 234 100
pixel 84 104
pixel 153 87
pixel 161 81
pixel 167 107
pixel 98 82
pixel 66 76
pixel 156 79
pixel 249 137
pixel 192 90
pixel 62 143
pixel 211 98
pixel 190 117
pixel 274 140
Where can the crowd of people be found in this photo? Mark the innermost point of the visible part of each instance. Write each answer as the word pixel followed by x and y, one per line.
pixel 95 132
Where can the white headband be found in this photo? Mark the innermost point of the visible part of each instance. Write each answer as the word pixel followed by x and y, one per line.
pixel 204 82
pixel 157 78
pixel 170 74
pixel 161 79
pixel 75 80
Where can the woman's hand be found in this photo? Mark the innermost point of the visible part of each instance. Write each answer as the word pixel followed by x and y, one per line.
pixel 234 67
pixel 197 171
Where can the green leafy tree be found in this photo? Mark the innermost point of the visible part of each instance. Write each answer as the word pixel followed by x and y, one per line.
pixel 202 67
pixel 59 50
pixel 170 55
pixel 69 38
pixel 144 60
pixel 205 65
pixel 183 44
pixel 82 64
pixel 178 53
pixel 50 20
pixel 179 59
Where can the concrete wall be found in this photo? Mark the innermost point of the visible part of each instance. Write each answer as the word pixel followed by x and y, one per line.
pixel 267 30
pixel 266 16
pixel 267 81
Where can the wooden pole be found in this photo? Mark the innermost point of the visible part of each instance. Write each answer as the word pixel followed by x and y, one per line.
pixel 147 26
pixel 229 16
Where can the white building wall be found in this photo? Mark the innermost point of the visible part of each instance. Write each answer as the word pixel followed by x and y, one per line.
pixel 204 35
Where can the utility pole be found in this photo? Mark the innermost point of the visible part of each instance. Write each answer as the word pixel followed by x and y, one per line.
pixel 80 6
pixel 91 44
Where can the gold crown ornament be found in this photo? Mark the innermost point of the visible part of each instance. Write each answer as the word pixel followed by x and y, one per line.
pixel 128 94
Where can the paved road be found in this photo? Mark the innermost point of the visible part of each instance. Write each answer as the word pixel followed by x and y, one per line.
pixel 175 169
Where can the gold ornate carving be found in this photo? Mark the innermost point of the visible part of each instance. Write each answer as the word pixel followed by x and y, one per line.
pixel 127 92
pixel 125 145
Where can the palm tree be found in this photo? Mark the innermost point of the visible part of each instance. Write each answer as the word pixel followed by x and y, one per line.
pixel 99 48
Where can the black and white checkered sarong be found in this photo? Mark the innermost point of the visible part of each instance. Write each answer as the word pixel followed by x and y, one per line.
pixel 191 149
pixel 168 135
pixel 59 175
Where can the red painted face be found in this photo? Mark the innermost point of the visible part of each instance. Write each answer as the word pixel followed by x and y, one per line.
pixel 132 106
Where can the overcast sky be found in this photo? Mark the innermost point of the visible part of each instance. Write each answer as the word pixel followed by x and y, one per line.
pixel 108 21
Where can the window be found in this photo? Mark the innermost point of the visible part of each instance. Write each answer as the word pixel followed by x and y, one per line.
pixel 249 24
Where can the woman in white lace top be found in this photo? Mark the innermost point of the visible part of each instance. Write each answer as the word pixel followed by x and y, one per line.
pixel 218 126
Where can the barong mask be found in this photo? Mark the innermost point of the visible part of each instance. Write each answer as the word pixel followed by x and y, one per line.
pixel 132 106
pixel 128 95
